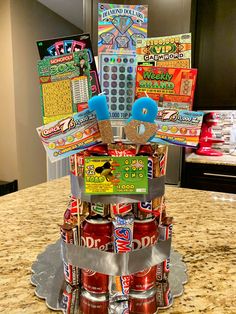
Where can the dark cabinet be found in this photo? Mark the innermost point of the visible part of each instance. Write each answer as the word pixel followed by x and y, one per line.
pixel 8 187
pixel 214 29
pixel 210 177
pixel 213 26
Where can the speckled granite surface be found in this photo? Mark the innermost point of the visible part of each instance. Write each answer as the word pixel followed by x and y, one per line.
pixel 204 233
pixel 226 159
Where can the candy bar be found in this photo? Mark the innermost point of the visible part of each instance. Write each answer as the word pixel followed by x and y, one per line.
pixel 70 299
pixel 164 295
pixel 77 163
pixel 122 240
pixel 99 209
pixel 120 307
pixel 146 150
pixel 148 209
pixel 69 234
pixel 161 154
pixel 120 209
pixel 143 210
pixel 165 228
pixel 162 270
pixel 98 150
pixel 120 149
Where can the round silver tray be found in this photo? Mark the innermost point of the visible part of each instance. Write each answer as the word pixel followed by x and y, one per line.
pixel 48 278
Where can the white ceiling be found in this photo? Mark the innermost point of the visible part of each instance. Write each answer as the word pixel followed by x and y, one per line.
pixel 71 10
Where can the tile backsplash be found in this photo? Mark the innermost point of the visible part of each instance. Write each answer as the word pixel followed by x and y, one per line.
pixel 226 130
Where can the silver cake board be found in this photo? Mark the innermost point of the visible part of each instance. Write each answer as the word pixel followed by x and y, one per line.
pixel 48 277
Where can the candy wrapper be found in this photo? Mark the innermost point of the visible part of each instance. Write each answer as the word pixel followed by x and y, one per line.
pixel 120 149
pixel 165 228
pixel 77 163
pixel 161 152
pixel 76 209
pixel 119 286
pixel 99 209
pixel 164 295
pixel 165 233
pixel 163 270
pixel 70 299
pixel 69 234
pixel 119 307
pixel 148 209
pixel 120 209
pixel 157 160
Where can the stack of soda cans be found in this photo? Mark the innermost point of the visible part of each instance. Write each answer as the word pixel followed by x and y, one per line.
pixel 119 228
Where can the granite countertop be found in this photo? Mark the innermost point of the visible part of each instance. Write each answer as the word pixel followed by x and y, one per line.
pixel 226 159
pixel 204 232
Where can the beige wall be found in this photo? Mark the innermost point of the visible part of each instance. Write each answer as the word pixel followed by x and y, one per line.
pixel 30 21
pixel 8 151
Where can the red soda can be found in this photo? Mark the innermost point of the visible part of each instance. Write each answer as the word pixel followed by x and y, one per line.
pixel 145 234
pixel 70 300
pixel 93 303
pixel 69 234
pixel 143 302
pixel 96 233
pixel 164 295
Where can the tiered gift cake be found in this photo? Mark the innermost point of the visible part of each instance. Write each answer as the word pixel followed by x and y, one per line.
pixel 116 234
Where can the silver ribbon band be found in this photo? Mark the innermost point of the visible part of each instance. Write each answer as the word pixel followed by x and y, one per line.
pixel 115 264
pixel 156 188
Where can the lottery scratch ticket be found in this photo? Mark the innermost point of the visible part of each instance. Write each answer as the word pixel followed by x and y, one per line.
pixel 64 85
pixel 63 138
pixel 178 127
pixel 118 83
pixel 119 26
pixel 169 51
pixel 58 46
pixel 170 87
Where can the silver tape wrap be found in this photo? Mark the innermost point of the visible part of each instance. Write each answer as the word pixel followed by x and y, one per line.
pixel 156 188
pixel 115 264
